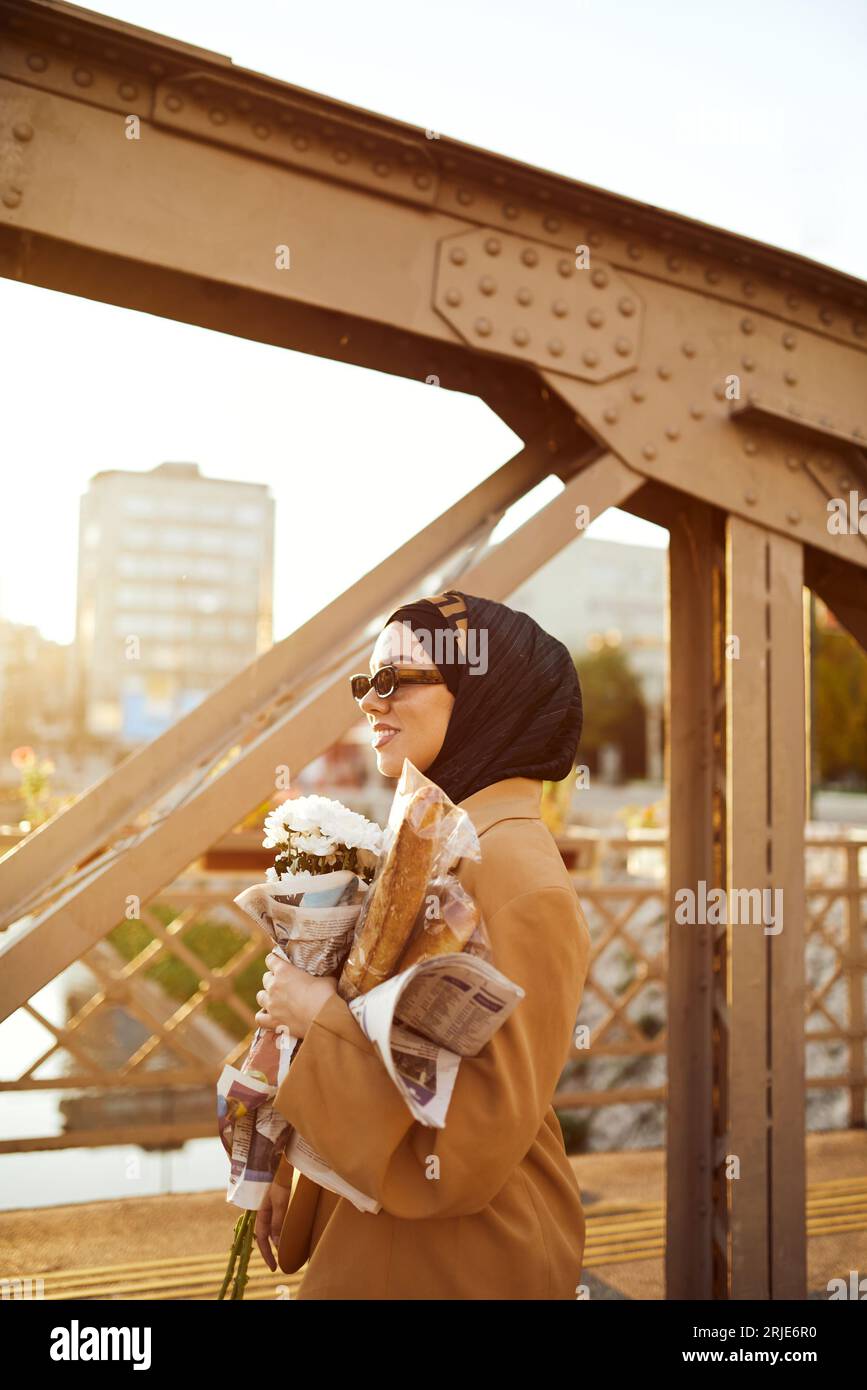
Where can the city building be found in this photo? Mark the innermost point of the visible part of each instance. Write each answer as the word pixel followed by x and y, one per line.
pixel 175 585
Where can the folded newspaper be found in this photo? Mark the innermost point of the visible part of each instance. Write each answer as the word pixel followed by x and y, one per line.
pixel 422 1022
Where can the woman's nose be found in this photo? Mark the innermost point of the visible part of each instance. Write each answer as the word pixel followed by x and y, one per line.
pixel 371 703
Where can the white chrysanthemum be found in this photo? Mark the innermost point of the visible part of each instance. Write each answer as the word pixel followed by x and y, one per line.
pixel 312 844
pixel 319 816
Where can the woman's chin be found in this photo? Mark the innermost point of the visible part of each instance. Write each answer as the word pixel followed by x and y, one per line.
pixel 389 760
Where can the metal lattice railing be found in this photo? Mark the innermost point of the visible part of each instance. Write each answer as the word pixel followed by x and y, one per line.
pixel 130 1039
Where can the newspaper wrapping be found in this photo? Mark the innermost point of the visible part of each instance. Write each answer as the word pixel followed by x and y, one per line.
pixel 310 920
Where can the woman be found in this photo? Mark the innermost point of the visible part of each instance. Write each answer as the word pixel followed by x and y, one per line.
pixel 498 1214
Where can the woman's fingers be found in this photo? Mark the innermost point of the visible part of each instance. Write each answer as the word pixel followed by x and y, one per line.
pixel 262 1231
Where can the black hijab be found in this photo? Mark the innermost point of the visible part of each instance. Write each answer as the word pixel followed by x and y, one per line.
pixel 518 709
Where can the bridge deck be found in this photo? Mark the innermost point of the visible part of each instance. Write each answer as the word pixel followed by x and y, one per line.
pixel 94 1250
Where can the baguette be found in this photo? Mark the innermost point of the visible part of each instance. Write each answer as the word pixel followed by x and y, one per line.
pixel 396 897
pixel 450 931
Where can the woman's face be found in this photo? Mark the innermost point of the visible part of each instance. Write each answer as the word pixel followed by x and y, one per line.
pixel 412 722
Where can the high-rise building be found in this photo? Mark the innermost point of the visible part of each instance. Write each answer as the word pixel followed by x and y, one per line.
pixel 175 581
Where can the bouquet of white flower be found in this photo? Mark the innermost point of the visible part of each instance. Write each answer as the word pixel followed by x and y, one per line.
pixel 309 906
pixel 313 834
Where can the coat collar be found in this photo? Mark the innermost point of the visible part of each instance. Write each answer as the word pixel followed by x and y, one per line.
pixel 515 798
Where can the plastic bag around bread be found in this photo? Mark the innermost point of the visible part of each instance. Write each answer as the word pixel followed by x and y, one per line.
pixel 449 920
pixel 426 834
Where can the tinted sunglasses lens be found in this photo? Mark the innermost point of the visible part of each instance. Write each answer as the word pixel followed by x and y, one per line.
pixel 384 681
pixel 360 686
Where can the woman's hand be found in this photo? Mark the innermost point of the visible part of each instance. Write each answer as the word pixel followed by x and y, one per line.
pixel 269 1221
pixel 291 996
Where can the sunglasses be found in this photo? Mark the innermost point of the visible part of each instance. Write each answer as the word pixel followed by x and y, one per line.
pixel 389 678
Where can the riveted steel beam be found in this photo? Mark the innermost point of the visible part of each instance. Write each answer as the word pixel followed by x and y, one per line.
pixel 672 417
pixel 518 297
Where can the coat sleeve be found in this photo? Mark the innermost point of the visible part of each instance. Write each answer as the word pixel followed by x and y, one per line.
pixel 340 1097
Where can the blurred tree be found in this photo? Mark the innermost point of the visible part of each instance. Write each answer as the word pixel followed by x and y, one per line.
pixel 839 707
pixel 614 710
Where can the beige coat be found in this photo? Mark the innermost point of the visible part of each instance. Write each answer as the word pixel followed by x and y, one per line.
pixel 504 1218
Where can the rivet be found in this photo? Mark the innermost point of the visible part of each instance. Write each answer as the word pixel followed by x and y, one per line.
pixel 749 288
pixel 552 224
pixel 594 239
pixel 173 102
pixel 672 432
pixel 82 77
pixel 688 349
pixel 128 90
pixel 342 156
pixel 634 252
pixel 465 196
pixel 748 364
pixel 663 372
pixel 793 463
pixel 747 326
pixel 299 142
pixel 458 255
pixel 845 484
pixel 245 106
pixel 483 327
pixel 510 211
pixel 793 301
pixel 559 308
pixel 673 263
pixel 422 180
pixel 381 168
pixel 790 378
pixel 565 267
pixel 826 316
pixel 751 496
pixel 595 318
pixel 749 446
pixel 599 278
pixel 530 256
pixel 590 358
pixel 859 328
pixel 453 297
pixel 262 132
pixel 22 130
pixel 11 197
pixel 793 516
pixel 649 451
pixel 626 307
pixel 713 277
pixel 610 416
pixel 493 246
pixel 696 412
pixel 487 285
pixel 521 337
pixel 789 341
pixel 622 347
pixel 157 69
pixel 638 393
pixel 36 62
pixel 524 296
pixel 555 347
pixel 219 117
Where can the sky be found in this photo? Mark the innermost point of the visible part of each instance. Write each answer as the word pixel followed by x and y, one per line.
pixel 745 116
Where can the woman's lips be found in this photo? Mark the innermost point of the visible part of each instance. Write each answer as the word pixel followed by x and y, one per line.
pixel 383 735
